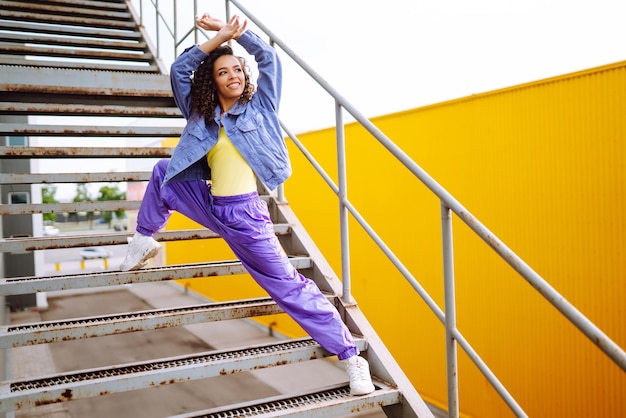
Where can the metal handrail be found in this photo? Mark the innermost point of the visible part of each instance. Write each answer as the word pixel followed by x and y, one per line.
pixel 448 205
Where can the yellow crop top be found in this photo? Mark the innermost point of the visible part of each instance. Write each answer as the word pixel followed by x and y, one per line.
pixel 230 173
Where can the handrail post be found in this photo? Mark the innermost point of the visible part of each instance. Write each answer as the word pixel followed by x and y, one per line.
pixel 343 210
pixel 450 310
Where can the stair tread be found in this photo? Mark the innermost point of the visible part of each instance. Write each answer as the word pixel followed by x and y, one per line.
pixel 70 41
pixel 89 131
pixel 85 152
pixel 33 284
pixel 28 27
pixel 80 384
pixel 83 82
pixel 96 23
pixel 74 241
pixel 12 48
pixel 90 109
pixel 115 324
pixel 335 401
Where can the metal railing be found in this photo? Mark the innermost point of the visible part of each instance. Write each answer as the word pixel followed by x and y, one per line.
pixel 449 205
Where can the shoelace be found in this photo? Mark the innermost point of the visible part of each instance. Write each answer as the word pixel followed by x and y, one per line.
pixel 357 372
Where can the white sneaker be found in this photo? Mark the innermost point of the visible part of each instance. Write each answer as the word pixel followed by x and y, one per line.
pixel 141 249
pixel 359 373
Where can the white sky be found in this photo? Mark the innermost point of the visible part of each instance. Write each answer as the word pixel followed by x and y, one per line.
pixel 393 55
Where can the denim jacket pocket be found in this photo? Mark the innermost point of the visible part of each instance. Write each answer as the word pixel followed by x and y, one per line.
pixel 249 121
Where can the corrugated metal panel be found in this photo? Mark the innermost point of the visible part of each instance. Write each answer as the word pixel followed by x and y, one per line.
pixel 544 166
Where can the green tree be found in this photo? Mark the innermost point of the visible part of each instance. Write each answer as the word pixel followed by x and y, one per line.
pixel 111 193
pixel 82 195
pixel 48 196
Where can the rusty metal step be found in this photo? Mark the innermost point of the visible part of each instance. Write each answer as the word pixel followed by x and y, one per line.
pixel 18 60
pixel 46 178
pixel 60 19
pixel 334 401
pixel 76 9
pixel 98 326
pixel 83 53
pixel 80 83
pixel 25 129
pixel 111 238
pixel 81 384
pixel 34 284
pixel 98 206
pixel 22 38
pixel 105 110
pixel 68 30
pixel 76 152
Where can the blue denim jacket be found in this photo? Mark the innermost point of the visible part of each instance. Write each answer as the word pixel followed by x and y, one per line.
pixel 253 127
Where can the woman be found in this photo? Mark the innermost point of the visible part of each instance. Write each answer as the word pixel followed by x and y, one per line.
pixel 233 137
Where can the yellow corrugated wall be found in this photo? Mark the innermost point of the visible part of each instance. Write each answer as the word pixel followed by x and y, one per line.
pixel 543 166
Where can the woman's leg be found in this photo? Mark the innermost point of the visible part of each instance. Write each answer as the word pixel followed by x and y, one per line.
pixel 247 228
pixel 191 198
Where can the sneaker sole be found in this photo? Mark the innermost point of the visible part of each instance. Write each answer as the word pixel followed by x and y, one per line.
pixel 144 260
pixel 363 392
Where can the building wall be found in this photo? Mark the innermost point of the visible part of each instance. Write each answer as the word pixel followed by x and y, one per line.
pixel 542 165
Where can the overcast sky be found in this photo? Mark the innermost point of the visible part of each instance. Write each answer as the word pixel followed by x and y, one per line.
pixel 393 55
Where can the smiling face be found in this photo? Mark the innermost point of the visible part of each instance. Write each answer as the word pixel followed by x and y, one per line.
pixel 230 80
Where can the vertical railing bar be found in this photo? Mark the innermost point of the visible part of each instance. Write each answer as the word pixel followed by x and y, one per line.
pixel 196 30
pixel 175 34
pixel 227 14
pixel 343 197
pixel 450 309
pixel 156 27
pixel 141 12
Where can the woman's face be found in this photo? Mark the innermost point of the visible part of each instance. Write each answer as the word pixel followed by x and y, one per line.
pixel 229 77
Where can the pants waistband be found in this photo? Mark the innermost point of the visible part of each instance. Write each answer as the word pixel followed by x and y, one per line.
pixel 223 200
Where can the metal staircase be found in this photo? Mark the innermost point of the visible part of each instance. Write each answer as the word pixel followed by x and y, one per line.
pixel 88 59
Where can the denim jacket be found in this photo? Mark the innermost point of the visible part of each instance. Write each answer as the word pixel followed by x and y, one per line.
pixel 253 127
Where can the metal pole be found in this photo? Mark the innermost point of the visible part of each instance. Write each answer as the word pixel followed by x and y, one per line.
pixel 343 210
pixel 450 308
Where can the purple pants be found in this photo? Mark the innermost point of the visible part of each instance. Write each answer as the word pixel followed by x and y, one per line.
pixel 244 222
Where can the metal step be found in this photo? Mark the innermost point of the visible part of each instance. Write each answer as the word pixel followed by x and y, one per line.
pixel 120 238
pixel 104 110
pixel 25 129
pixel 102 381
pixel 46 178
pixel 74 42
pixel 75 152
pixel 68 30
pixel 83 84
pixel 330 402
pixel 76 9
pixel 98 206
pixel 39 51
pixel 67 64
pixel 99 326
pixel 34 284
pixel 37 16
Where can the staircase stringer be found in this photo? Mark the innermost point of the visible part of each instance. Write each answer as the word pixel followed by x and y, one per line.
pixel 163 69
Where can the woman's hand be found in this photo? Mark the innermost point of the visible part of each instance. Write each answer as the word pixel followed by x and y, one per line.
pixel 208 22
pixel 231 30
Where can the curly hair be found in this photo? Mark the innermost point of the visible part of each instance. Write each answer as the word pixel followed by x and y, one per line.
pixel 203 91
